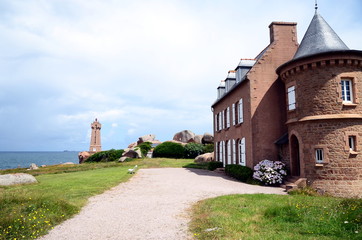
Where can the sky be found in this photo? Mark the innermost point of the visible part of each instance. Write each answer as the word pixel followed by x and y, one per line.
pixel 139 66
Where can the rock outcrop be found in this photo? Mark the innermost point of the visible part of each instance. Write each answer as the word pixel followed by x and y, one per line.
pixel 174 141
pixel 132 145
pixel 17 178
pixel 132 153
pixel 68 163
pixel 83 156
pixel 198 138
pixel 206 157
pixel 146 138
pixel 184 136
pixel 207 138
pixel 33 166
pixel 122 159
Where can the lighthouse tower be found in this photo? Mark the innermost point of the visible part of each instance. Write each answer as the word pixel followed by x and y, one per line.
pixel 95 142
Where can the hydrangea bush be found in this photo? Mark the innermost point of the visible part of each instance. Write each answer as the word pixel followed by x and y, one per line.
pixel 269 172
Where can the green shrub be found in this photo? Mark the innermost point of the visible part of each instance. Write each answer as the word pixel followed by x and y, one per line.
pixel 169 150
pixel 145 147
pixel 213 165
pixel 241 173
pixel 106 156
pixel 208 148
pixel 193 150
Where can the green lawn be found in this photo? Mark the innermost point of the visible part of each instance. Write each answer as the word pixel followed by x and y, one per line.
pixel 260 216
pixel 29 211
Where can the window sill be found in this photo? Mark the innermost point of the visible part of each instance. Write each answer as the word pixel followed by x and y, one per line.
pixel 349 104
pixel 353 153
pixel 319 164
pixel 238 124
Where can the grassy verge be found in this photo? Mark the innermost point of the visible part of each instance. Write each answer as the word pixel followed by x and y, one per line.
pixel 29 211
pixel 277 217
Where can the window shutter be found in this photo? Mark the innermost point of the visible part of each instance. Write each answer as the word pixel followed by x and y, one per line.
pixel 291 98
pixel 217 123
pixel 234 151
pixel 222 152
pixel 241 114
pixel 228 117
pixel 242 152
pixel 228 152
pixel 217 151
pixel 233 113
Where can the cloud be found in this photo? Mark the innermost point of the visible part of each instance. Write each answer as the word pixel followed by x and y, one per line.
pixel 139 66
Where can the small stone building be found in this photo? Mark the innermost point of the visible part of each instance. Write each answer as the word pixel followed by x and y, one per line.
pixel 299 104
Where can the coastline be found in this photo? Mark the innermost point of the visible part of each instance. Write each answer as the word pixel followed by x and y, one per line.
pixel 23 159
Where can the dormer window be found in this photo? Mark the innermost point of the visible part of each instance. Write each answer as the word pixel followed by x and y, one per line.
pixel 347 93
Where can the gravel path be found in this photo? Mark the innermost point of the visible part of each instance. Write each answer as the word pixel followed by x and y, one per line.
pixel 153 204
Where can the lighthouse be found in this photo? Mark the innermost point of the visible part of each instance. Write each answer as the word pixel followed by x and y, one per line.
pixel 95 142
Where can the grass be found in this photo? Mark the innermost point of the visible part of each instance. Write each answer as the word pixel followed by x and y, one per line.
pixel 29 211
pixel 262 216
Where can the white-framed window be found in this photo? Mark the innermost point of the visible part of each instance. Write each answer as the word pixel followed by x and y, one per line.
pixel 217 147
pixel 219 121
pixel 233 113
pixel 347 93
pixel 221 158
pixel 227 117
pixel 242 155
pixel 291 98
pixel 352 143
pixel 319 155
pixel 234 151
pixel 223 153
pixel 240 113
pixel 228 152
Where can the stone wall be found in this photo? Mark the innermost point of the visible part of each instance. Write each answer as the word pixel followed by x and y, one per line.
pixel 322 120
pixel 268 110
pixel 341 172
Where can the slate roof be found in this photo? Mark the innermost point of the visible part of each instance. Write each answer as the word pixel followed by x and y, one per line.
pixel 319 38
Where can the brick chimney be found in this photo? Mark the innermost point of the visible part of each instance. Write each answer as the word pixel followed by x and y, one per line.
pixel 283 31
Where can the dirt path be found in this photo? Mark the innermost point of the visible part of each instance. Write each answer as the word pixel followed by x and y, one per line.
pixel 152 205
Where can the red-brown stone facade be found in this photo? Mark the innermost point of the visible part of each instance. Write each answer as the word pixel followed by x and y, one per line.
pixel 325 130
pixel 263 109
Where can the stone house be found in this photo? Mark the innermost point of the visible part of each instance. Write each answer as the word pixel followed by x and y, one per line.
pixel 299 104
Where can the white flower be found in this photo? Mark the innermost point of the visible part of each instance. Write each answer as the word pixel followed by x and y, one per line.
pixel 269 172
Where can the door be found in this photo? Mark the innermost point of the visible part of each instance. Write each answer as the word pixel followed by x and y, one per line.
pixel 295 156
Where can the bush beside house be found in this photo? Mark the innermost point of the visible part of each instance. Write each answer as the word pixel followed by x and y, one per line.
pixel 241 173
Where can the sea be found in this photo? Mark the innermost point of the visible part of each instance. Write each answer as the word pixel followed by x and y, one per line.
pixel 24 159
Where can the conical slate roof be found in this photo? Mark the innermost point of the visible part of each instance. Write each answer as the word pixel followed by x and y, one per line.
pixel 319 38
